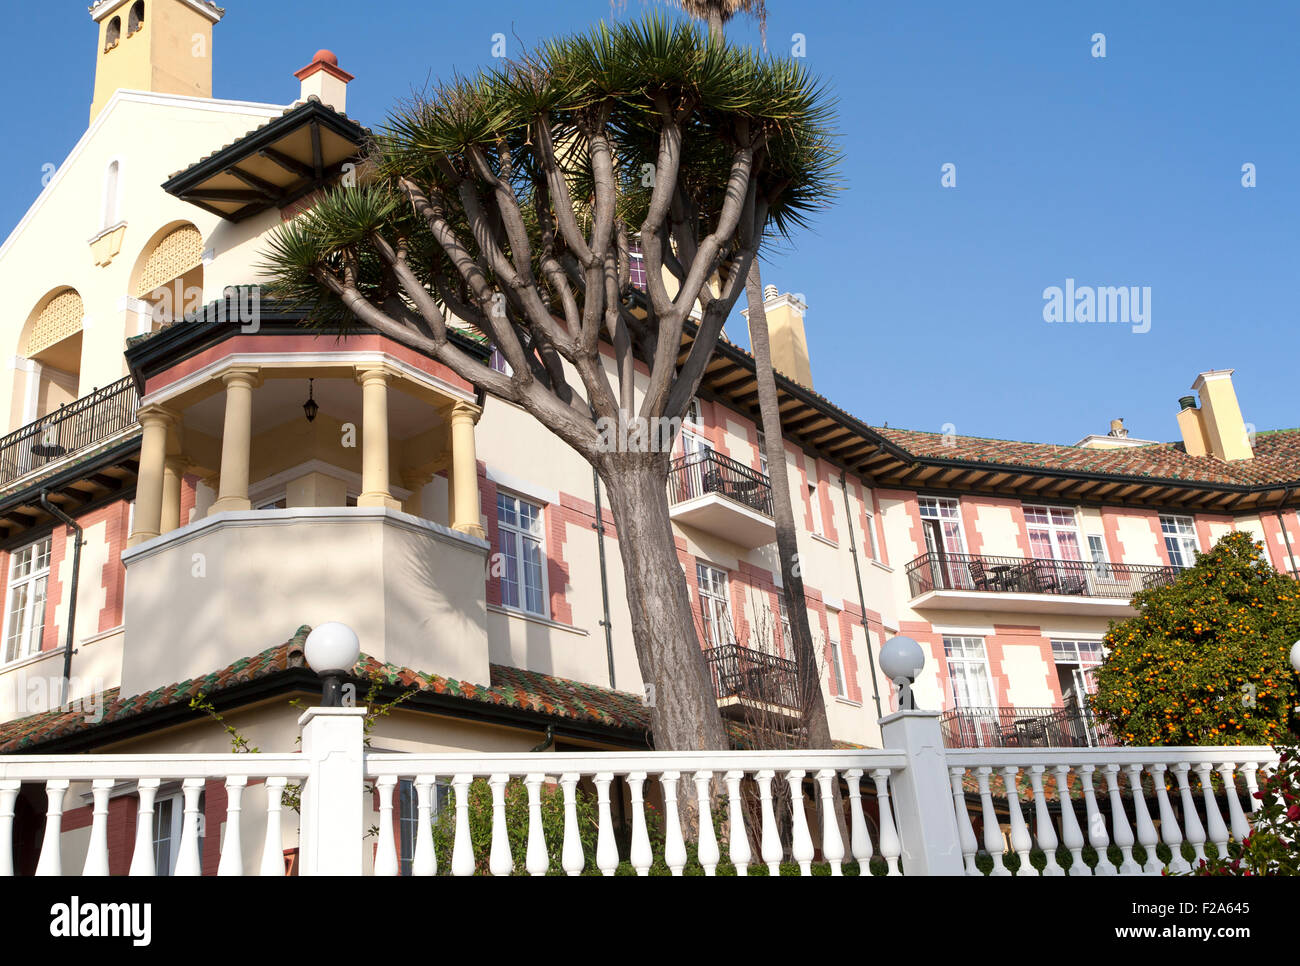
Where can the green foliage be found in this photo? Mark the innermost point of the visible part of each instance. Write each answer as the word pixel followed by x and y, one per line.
pixel 1205 661
pixel 1273 845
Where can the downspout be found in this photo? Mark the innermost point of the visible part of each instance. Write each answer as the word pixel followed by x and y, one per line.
pixel 1286 537
pixel 599 527
pixel 72 599
pixel 862 600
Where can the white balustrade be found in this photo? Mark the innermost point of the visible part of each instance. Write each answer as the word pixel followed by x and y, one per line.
pixel 1194 820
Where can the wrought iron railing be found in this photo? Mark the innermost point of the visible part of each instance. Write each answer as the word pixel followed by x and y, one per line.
pixel 1069 727
pixel 1017 575
pixel 753 676
pixel 697 474
pixel 73 427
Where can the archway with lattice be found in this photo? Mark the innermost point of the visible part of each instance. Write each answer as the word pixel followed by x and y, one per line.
pixel 169 275
pixel 51 344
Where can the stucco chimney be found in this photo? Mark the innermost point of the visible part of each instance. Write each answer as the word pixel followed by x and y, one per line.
pixel 1225 430
pixel 323 79
pixel 786 334
pixel 1192 426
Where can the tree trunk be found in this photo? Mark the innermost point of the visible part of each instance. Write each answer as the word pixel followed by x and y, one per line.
pixel 813 706
pixel 684 713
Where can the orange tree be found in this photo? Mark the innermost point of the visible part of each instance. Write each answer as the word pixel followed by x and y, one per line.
pixel 1205 661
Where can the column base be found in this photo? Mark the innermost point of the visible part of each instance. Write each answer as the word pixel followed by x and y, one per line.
pixel 471 529
pixel 229 503
pixel 140 537
pixel 379 499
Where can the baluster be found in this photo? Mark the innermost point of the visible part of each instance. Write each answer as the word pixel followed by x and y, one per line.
pixel 801 843
pixel 189 861
pixel 832 844
pixel 707 847
pixel 993 844
pixel 1252 785
pixel 965 830
pixel 9 790
pixel 1218 832
pixel 1043 822
pixel 232 849
pixel 738 840
pixel 273 845
pixel 1169 830
pixel 97 850
pixel 1236 817
pixel 1071 834
pixel 1097 836
pixel 1195 831
pixel 386 853
pixel 51 861
pixel 571 858
pixel 425 860
pixel 1146 830
pixel 771 845
pixel 500 861
pixel 674 846
pixel 537 860
pixel 859 836
pixel 1021 843
pixel 1119 823
pixel 639 855
pixel 606 847
pixel 890 846
pixel 462 849
pixel 142 858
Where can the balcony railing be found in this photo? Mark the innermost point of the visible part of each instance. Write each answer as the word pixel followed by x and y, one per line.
pixel 753 676
pixel 1070 727
pixel 1016 575
pixel 698 474
pixel 71 428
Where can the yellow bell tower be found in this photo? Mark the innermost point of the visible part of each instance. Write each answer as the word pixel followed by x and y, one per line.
pixel 164 46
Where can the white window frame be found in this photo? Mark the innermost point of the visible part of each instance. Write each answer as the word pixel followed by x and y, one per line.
pixel 1054 529
pixel 520 534
pixel 837 653
pixel 408 815
pixel 715 604
pixel 25 646
pixel 982 661
pixel 1179 533
pixel 815 505
pixel 497 362
pixel 1099 555
pixel 868 502
pixel 762 453
pixel 176 822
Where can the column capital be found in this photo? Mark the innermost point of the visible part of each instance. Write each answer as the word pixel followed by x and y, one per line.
pixel 247 376
pixel 464 410
pixel 156 415
pixel 177 464
pixel 375 372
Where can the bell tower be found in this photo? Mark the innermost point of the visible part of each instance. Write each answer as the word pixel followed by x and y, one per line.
pixel 164 46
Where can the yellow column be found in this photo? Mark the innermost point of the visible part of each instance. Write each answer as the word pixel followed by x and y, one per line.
pixel 464 470
pixel 173 472
pixel 374 440
pixel 236 441
pixel 156 421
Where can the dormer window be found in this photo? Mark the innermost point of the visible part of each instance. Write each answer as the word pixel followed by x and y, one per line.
pixel 113 34
pixel 136 19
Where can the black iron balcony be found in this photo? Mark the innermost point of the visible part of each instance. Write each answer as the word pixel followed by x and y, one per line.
pixel 1016 575
pixel 72 428
pixel 1069 727
pixel 698 474
pixel 745 677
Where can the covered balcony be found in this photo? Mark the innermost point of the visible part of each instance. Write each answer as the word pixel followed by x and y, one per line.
pixel 948 581
pixel 746 680
pixel 718 495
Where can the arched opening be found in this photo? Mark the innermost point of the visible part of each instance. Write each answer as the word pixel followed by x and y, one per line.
pixel 169 275
pixel 136 19
pixel 113 34
pixel 51 349
pixel 110 194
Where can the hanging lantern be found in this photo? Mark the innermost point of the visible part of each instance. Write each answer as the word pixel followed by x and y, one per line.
pixel 310 407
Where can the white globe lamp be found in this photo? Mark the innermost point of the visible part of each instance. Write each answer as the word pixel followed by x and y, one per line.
pixel 331 651
pixel 902 659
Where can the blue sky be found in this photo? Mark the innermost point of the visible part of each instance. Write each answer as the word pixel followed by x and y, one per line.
pixel 925 302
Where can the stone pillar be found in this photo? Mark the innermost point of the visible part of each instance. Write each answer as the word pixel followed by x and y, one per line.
pixel 236 441
pixel 374 440
pixel 156 421
pixel 173 473
pixel 922 795
pixel 464 500
pixel 332 823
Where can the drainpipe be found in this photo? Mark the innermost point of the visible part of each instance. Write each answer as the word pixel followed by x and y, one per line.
pixel 862 600
pixel 599 527
pixel 72 599
pixel 1286 537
